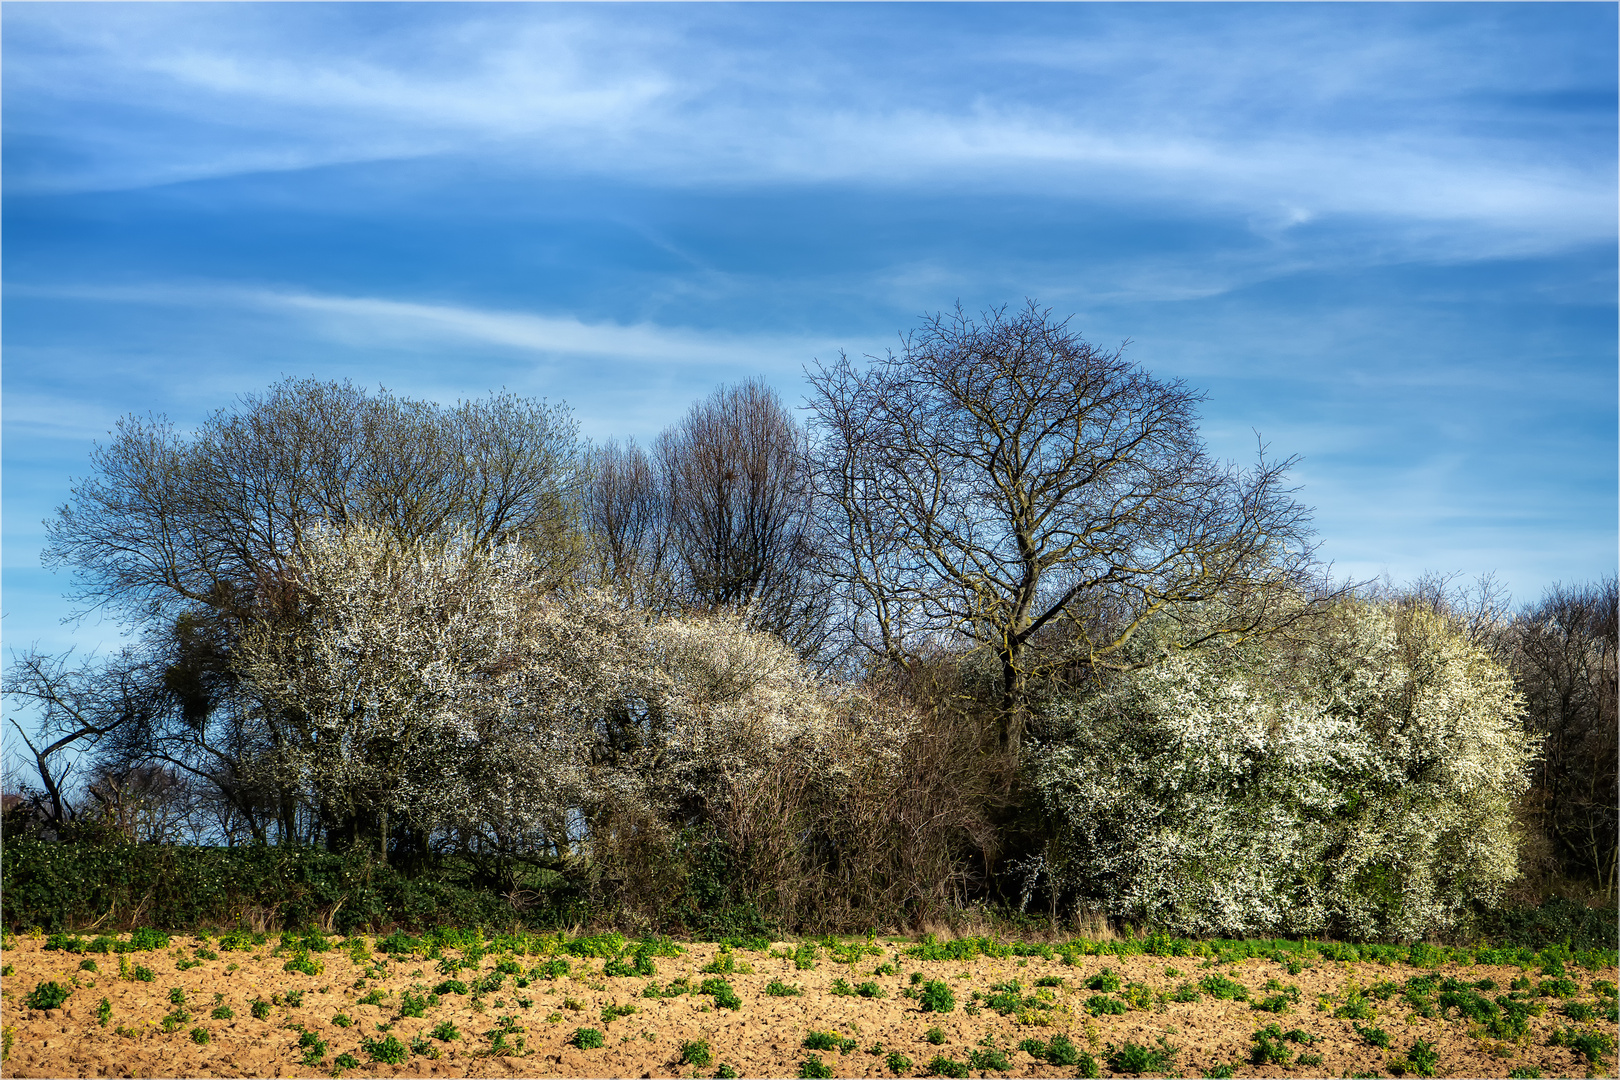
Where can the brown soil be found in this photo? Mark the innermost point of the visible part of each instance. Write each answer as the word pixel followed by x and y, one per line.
pixel 762 1038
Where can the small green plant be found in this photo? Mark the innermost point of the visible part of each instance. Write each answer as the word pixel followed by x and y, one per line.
pixel 1591 1043
pixel 1524 1072
pixel 260 1009
pixel 944 1066
pixel 989 1059
pixel 1420 1060
pixel 1185 992
pixel 304 963
pixel 89 965
pixel 1270 1048
pixel 445 1031
pixel 611 1013
pixel 47 995
pixel 935 1035
pixel 1105 980
pixel 886 968
pixel 346 1061
pixel 177 995
pixel 375 997
pixel 586 1038
pixel 1375 1036
pixel 293 999
pixel 1104 1004
pixel 697 1052
pixel 104 1012
pixel 897 1062
pixel 725 1072
pixel 725 997
pixel 841 988
pixel 1223 989
pixel 223 1012
pixel 1132 1058
pixel 778 988
pixel 870 990
pixel 1089 1067
pixel 937 997
pixel 1220 1072
pixel 200 1036
pixel 343 1020
pixel 814 1068
pixel 389 1050
pixel 553 968
pixel 142 973
pixel 804 957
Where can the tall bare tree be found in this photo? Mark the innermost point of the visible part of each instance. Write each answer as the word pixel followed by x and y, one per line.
pixel 1003 479
pixel 735 470
pixel 626 513
pixel 1565 656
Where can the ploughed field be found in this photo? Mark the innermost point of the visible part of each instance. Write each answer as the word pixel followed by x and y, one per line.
pixel 457 1004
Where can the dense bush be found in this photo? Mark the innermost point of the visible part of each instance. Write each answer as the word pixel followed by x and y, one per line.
pixel 1358 783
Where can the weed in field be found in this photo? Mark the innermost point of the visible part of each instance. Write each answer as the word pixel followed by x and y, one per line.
pixel 725 1072
pixel 586 1038
pixel 451 986
pixel 89 965
pixel 376 997
pixel 388 1050
pixel 177 995
pixel 870 990
pixel 1375 1036
pixel 143 973
pixel 1524 1072
pixel 47 995
pixel 1589 1042
pixel 611 1013
pixel 1103 1004
pixel 293 999
pixel 886 969
pixel 935 1035
pixel 104 1012
pixel 897 1062
pixel 1220 1072
pixel 1105 980
pixel 814 1068
pixel 1132 1058
pixel 1223 989
pixel 260 1009
pixel 1420 1060
pixel 725 997
pixel 303 962
pixel 937 997
pixel 343 1020
pixel 1137 996
pixel 841 988
pixel 697 1052
pixel 1355 1007
pixel 1089 1068
pixel 1579 1012
pixel 1049 980
pixel 804 957
pixel 1185 992
pixel 991 1058
pixel 346 1061
pixel 778 988
pixel 223 1012
pixel 944 1066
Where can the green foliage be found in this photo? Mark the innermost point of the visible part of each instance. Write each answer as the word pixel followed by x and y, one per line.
pixel 445 1031
pixel 1105 980
pixel 200 1036
pixel 1220 1072
pixel 897 1062
pixel 870 990
pixel 841 988
pixel 389 1050
pixel 346 1061
pixel 451 986
pixel 1269 1047
pixel 937 997
pixel 142 973
pixel 341 1020
pixel 1105 1005
pixel 104 1012
pixel 260 1009
pixel 1375 1036
pixel 778 988
pixel 814 1068
pixel 828 1040
pixel 611 1013
pixel 944 1066
pixel 1089 1068
pixel 804 957
pixel 1223 989
pixel 935 1035
pixel 1135 1059
pixel 1590 1042
pixel 724 995
pixel 1420 1060
pixel 47 995
pixel 554 968
pixel 725 1072
pixel 697 1052
pixel 989 1059
pixel 1524 1072
pixel 410 1004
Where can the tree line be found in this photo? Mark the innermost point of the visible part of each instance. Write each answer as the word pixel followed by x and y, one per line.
pixel 946 642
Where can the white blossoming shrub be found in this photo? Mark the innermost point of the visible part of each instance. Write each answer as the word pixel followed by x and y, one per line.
pixel 1358 784
pixel 437 684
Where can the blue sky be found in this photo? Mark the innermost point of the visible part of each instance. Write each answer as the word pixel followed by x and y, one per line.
pixel 1382 235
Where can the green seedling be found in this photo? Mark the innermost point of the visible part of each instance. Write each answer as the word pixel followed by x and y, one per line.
pixel 697 1052
pixel 944 1066
pixel 814 1068
pixel 47 995
pixel 586 1038
pixel 1140 1059
pixel 778 988
pixel 935 1036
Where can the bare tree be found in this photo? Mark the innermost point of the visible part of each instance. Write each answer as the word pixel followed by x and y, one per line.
pixel 736 475
pixel 1004 479
pixel 626 514
pixel 1564 656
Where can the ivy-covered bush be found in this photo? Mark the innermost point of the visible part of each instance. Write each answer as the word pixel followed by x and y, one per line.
pixel 1356 781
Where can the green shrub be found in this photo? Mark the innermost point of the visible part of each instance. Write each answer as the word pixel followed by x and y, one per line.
pixel 937 997
pixel 387 1050
pixel 1591 1043
pixel 989 1059
pixel 451 986
pixel 346 1061
pixel 944 1066
pixel 223 1012
pixel 104 1012
pixel 815 1068
pixel 1103 1004
pixel 200 1036
pixel 841 988
pixel 260 1009
pixel 611 1012
pixel 47 995
pixel 697 1052
pixel 1375 1036
pixel 870 990
pixel 1220 1072
pixel 1132 1058
pixel 724 995
pixel 1089 1068
pixel 725 1072
pixel 897 1062
pixel 1269 1047
pixel 586 1038
pixel 143 973
pixel 1105 980
pixel 935 1035
pixel 1421 1059
pixel 1223 989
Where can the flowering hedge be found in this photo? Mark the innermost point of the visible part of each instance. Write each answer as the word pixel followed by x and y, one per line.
pixel 1357 783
